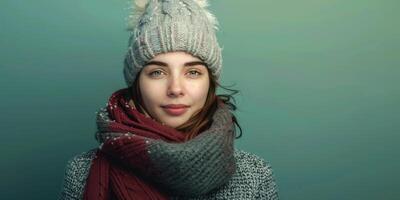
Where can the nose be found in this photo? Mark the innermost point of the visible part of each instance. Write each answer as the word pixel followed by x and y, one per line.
pixel 175 87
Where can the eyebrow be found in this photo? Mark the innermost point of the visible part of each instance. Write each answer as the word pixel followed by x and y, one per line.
pixel 188 64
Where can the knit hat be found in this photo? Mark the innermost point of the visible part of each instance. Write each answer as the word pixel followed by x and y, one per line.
pixel 160 26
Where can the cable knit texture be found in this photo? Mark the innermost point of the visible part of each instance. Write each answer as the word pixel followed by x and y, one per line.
pixel 172 25
pixel 253 179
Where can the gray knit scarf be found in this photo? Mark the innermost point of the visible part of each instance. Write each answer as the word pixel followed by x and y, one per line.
pixel 158 153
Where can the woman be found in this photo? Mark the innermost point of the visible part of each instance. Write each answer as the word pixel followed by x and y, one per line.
pixel 168 135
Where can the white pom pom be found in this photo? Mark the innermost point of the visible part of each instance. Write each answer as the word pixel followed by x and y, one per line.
pixel 202 3
pixel 141 3
pixel 213 20
pixel 136 12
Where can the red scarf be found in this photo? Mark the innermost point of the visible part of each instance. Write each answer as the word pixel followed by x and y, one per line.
pixel 108 177
pixel 122 165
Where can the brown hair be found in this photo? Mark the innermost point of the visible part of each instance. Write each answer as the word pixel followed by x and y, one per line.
pixel 201 120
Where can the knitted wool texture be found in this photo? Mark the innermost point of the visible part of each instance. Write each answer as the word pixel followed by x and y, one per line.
pixel 172 25
pixel 188 168
pixel 253 180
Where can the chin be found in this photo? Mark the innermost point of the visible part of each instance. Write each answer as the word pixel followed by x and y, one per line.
pixel 173 123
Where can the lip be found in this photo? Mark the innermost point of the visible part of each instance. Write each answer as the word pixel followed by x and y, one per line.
pixel 175 106
pixel 175 109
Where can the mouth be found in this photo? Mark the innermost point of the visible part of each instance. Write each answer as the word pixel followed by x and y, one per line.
pixel 175 109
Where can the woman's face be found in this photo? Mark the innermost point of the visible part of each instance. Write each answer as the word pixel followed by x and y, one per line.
pixel 170 79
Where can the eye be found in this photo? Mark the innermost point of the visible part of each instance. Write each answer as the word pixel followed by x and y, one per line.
pixel 155 73
pixel 194 73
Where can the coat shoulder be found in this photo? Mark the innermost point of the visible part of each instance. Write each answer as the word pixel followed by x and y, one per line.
pixel 252 162
pixel 257 172
pixel 76 171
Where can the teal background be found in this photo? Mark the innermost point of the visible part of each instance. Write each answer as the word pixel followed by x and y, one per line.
pixel 319 90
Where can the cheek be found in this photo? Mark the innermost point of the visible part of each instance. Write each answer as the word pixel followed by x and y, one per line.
pixel 199 91
pixel 150 92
